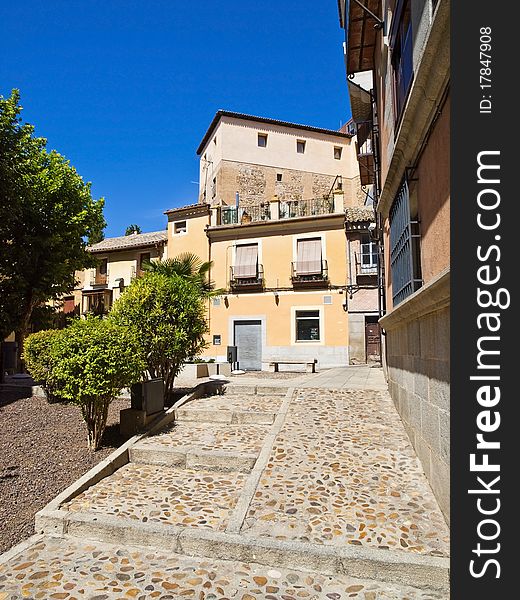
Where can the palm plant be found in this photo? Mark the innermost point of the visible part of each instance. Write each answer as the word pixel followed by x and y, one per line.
pixel 189 266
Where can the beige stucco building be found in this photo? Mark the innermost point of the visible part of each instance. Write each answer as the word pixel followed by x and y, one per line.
pixel 398 82
pixel 250 160
pixel 120 259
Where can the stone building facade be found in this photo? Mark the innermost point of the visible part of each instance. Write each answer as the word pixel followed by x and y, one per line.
pixel 398 83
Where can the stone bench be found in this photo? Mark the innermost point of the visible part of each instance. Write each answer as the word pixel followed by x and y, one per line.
pixel 310 365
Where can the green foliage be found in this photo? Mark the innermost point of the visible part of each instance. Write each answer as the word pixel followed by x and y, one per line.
pixel 91 360
pixel 169 313
pixel 47 219
pixel 188 266
pixel 37 354
pixel 132 229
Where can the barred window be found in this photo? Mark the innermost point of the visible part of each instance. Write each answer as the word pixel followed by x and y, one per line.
pixel 404 247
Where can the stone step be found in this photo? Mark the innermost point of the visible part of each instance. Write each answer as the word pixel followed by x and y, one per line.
pixel 65 568
pixel 140 494
pixel 231 409
pixel 191 444
pixel 193 459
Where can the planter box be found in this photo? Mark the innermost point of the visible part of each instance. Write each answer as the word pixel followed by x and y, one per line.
pixel 148 396
pixel 197 370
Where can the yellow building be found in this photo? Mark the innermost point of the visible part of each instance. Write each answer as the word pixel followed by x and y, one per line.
pixel 120 259
pixel 284 279
pixel 271 217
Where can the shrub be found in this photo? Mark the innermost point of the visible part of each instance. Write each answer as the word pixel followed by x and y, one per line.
pixel 37 355
pixel 92 359
pixel 169 313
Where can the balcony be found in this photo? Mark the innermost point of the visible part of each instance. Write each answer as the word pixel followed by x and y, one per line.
pixel 309 275
pixel 97 278
pixel 290 209
pixel 278 210
pixel 241 283
pixel 232 215
pixel 365 152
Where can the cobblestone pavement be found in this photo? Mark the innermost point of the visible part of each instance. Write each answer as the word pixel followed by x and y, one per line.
pixel 69 569
pixel 149 493
pixel 334 469
pixel 342 470
pixel 206 436
pixel 240 403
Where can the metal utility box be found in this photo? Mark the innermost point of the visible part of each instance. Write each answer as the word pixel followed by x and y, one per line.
pixel 148 396
pixel 232 354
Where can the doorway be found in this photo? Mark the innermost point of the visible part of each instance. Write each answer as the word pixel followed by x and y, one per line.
pixel 248 340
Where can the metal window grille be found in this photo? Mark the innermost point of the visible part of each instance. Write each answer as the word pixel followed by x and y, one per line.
pixel 404 240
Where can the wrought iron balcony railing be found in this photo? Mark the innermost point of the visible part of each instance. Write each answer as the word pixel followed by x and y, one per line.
pixel 230 215
pixel 238 280
pixel 309 273
pixel 290 209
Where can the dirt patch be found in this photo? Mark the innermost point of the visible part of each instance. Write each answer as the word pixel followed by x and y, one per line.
pixel 43 449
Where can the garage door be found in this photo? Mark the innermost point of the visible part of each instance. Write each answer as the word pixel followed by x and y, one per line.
pixel 248 340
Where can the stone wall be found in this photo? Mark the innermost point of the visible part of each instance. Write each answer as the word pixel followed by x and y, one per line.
pixel 418 370
pixel 258 183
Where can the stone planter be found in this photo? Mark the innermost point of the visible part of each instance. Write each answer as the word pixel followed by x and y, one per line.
pixel 148 396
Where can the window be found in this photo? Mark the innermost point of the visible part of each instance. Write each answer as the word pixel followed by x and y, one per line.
pixel 327 299
pixel 401 42
pixel 143 259
pixel 300 146
pixel 103 266
pixel 307 325
pixel 278 177
pixel 246 262
pixel 368 255
pixel 404 247
pixel 180 227
pixel 217 340
pixel 308 256
pixel 262 140
pixel 337 152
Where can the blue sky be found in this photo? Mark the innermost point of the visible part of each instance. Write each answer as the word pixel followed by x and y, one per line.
pixel 125 89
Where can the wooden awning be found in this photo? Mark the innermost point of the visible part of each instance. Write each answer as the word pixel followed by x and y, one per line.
pixel 361 35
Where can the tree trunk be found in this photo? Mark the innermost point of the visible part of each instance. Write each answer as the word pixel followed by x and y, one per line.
pixel 95 414
pixel 21 334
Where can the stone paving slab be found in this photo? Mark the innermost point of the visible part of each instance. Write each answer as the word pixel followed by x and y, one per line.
pixel 70 569
pixel 209 437
pixel 231 409
pixel 352 478
pixel 150 493
pixel 237 402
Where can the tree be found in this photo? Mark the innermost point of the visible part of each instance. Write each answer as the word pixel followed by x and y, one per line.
pixel 88 363
pixel 169 313
pixel 190 267
pixel 133 229
pixel 47 219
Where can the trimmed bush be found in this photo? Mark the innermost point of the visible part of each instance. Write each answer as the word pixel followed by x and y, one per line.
pixel 37 355
pixel 91 361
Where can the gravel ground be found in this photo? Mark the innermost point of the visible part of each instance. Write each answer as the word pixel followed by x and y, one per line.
pixel 43 449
